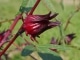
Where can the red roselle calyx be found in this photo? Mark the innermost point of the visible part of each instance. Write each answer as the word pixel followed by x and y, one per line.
pixel 53 41
pixel 34 25
pixel 69 38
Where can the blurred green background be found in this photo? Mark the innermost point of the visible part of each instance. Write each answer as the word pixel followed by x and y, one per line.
pixel 9 9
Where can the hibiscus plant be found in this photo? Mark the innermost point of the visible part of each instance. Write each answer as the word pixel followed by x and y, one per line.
pixel 33 25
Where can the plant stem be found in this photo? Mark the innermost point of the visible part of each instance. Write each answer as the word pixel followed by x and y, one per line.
pixel 11 28
pixel 20 31
pixel 34 7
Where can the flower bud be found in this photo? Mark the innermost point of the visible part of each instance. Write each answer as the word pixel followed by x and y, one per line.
pixel 69 38
pixel 34 25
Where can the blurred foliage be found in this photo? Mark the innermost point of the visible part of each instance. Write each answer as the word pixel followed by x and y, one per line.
pixel 9 8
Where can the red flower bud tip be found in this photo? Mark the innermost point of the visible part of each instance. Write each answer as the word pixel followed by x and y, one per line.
pixel 34 25
pixel 53 41
pixel 69 38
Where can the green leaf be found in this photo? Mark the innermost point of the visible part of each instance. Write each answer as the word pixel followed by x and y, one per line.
pixel 24 3
pixel 23 6
pixel 48 46
pixel 45 49
pixel 27 5
pixel 28 50
pixel 24 9
pixel 31 3
pixel 47 56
